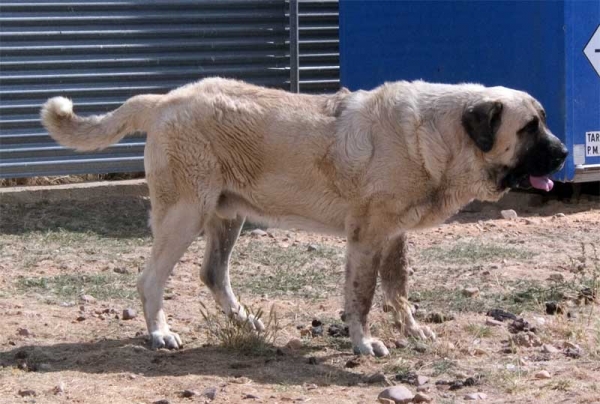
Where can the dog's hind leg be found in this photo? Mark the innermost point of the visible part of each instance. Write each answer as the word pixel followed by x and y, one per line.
pixel 174 228
pixel 393 270
pixel 221 235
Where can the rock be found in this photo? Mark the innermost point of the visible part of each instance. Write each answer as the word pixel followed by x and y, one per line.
pixel 470 292
pixel 81 318
pixel 258 233
pixel 509 214
pixel 24 332
pixel 385 401
pixel 520 325
pixel 210 393
pixel 479 352
pixel 312 247
pixel 553 308
pixel 120 270
pixel 475 396
pixel 438 318
pixel 311 386
pixel 27 393
pixel 422 398
pixel 249 396
pixel 305 332
pixel 420 347
pixel 295 343
pixel 573 353
pixel 59 388
pixel 188 393
pixel 556 277
pixel 129 314
pixel 338 331
pixel 162 401
pixel 542 374
pixel 421 380
pixel 87 299
pixel 493 323
pixel 352 363
pixel 397 394
pixel 401 343
pixel 559 215
pixel 378 377
pixel 456 385
pixel 526 339
pixel 569 344
pixel 423 389
pixel 547 348
pixel 501 315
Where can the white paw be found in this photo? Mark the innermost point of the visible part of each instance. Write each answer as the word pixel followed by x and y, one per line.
pixel 242 318
pixel 372 347
pixel 420 332
pixel 165 339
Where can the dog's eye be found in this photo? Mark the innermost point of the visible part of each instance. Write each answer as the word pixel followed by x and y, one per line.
pixel 531 127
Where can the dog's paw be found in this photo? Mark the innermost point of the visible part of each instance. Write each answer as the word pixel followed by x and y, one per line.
pixel 372 347
pixel 168 340
pixel 254 323
pixel 421 332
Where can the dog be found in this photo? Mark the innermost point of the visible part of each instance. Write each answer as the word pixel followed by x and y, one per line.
pixel 368 165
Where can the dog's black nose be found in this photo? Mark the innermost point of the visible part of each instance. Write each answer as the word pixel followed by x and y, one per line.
pixel 564 152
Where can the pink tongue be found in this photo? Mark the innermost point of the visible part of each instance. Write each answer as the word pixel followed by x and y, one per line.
pixel 543 183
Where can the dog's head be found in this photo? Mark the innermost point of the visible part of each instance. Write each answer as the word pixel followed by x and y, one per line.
pixel 509 128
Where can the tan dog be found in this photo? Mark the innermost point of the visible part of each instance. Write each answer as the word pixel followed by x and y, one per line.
pixel 369 165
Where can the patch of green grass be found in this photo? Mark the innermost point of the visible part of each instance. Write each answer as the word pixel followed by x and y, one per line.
pixel 400 367
pixel 292 270
pixel 469 252
pixel 69 286
pixel 442 366
pixel 479 331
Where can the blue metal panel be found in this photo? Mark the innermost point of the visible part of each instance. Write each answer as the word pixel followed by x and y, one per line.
pixel 518 44
pixel 582 19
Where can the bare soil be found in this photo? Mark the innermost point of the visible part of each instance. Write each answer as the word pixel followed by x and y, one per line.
pixel 65 349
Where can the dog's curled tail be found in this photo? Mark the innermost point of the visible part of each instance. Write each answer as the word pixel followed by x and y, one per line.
pixel 96 131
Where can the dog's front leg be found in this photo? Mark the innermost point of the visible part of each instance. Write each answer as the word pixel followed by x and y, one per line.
pixel 361 278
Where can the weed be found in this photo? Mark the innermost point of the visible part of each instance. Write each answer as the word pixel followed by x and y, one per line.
pixel 479 331
pixel 442 366
pixel 242 336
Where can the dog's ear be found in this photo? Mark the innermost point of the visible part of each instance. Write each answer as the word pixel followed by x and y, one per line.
pixel 481 122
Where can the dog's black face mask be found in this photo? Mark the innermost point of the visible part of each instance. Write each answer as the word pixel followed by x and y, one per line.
pixel 541 155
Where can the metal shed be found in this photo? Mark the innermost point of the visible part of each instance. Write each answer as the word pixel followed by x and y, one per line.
pixel 99 53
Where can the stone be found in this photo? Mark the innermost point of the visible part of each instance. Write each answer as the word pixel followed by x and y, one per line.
pixel 559 215
pixel 397 394
pixel 470 292
pixel 59 388
pixel 121 270
pixel 422 398
pixel 438 318
pixel 573 352
pixel 420 347
pixel 501 315
pixel 295 343
pixel 210 393
pixel 27 393
pixel 556 277
pixel 81 318
pixel 542 374
pixel 553 308
pixel 352 363
pixel 475 396
pixel 258 233
pixel 24 332
pixel 569 344
pixel 519 325
pixel 423 389
pixel 493 323
pixel 378 377
pixel 401 343
pixel 312 247
pixel 547 348
pixel 526 339
pixel 129 314
pixel 421 380
pixel 509 214
pixel 250 396
pixel 188 393
pixel 87 299
pixel 162 401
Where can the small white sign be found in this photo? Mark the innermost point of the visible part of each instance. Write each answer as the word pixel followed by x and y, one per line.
pixel 592 144
pixel 592 50
pixel 579 154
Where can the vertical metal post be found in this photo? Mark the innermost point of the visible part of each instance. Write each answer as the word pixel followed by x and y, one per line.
pixel 294 48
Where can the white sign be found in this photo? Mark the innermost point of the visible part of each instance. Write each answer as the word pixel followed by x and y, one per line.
pixel 592 50
pixel 592 144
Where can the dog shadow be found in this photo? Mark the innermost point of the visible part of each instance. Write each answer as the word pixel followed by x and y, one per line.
pixel 132 356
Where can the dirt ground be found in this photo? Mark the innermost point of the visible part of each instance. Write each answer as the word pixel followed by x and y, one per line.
pixel 68 270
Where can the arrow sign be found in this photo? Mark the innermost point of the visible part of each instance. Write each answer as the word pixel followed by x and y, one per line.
pixel 592 50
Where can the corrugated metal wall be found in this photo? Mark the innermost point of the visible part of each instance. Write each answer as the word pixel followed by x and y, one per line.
pixel 99 53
